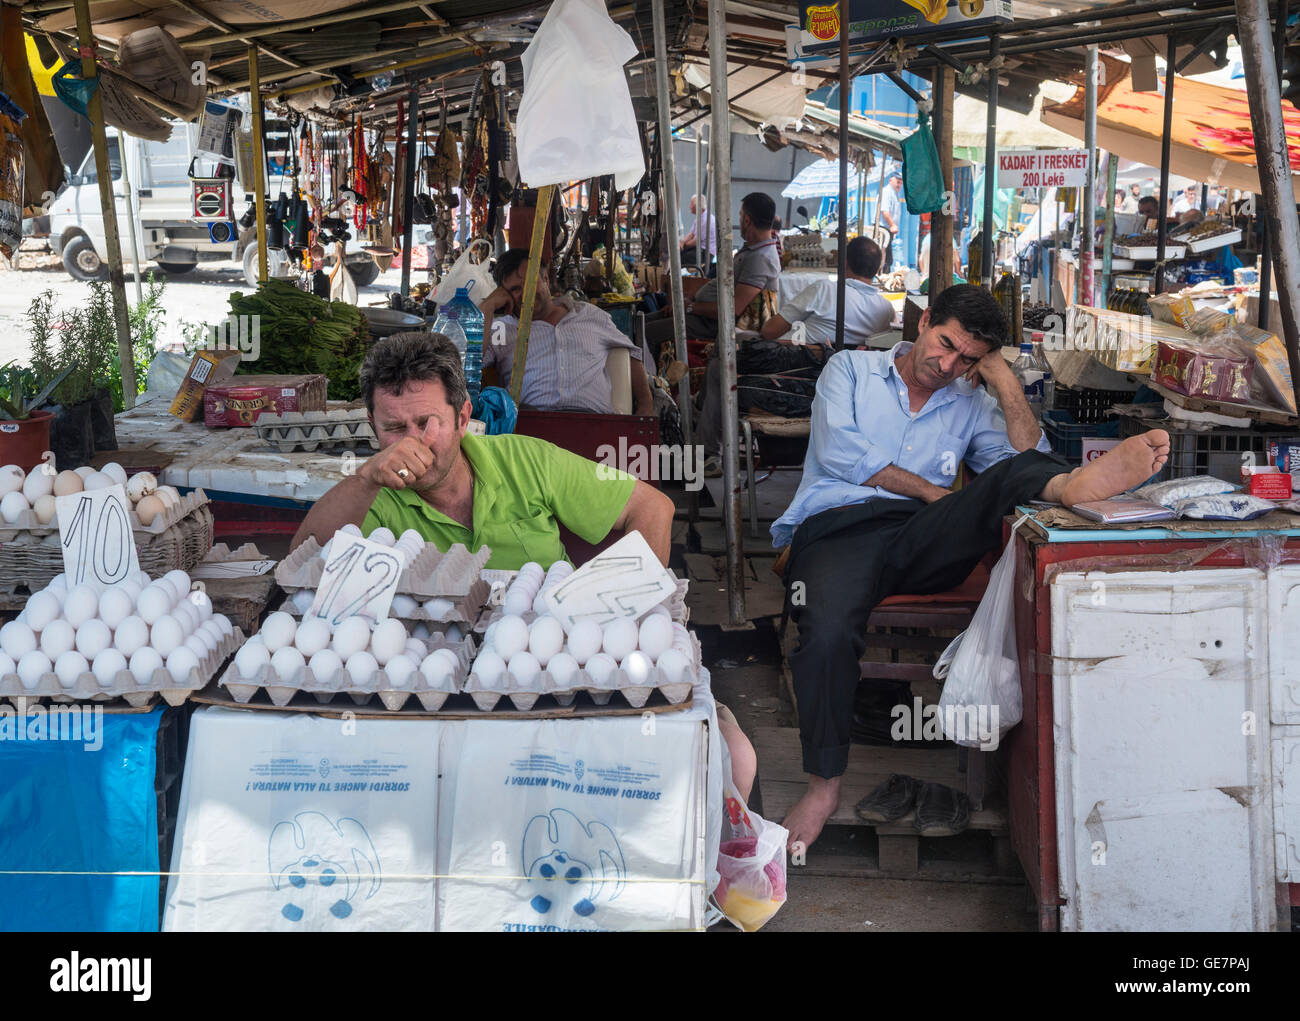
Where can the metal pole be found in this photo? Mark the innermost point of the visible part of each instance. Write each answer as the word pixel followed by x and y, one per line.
pixel 990 165
pixel 130 218
pixel 1089 232
pixel 1274 167
pixel 1112 178
pixel 259 163
pixel 670 208
pixel 408 197
pixel 720 133
pixel 1265 248
pixel 862 194
pixel 699 193
pixel 941 220
pixel 841 282
pixel 112 240
pixel 1162 225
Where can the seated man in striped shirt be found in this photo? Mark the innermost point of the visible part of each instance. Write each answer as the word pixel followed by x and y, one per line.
pixel 567 345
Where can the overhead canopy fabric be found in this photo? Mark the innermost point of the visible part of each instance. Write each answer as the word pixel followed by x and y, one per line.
pixel 1014 130
pixel 779 102
pixel 117 18
pixel 1211 136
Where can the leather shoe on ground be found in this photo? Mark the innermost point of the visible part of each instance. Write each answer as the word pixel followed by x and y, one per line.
pixel 892 800
pixel 941 811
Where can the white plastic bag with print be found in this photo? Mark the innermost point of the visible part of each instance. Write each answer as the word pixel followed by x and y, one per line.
pixel 751 862
pixel 576 119
pixel 465 272
pixel 980 669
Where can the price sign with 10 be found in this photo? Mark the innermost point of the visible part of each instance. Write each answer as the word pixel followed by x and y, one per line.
pixel 95 536
pixel 360 576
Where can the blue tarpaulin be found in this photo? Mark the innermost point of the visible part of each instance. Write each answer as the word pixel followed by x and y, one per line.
pixel 67 806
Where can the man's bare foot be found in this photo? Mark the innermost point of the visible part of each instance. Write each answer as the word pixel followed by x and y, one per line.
pixel 809 815
pixel 1119 469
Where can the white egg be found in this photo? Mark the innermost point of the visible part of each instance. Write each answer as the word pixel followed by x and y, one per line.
pixel 399 670
pixel 115 472
pixel 223 622
pixel 57 638
pixel 325 666
pixel 169 495
pixel 278 631
pixel 85 471
pixel 620 638
pixel 42 608
pixel 144 662
pixel 187 616
pixel 149 508
pixel 199 600
pixel 511 636
pixel 490 635
pixel 98 480
pixel 7 665
pixel 140 485
pixel 39 483
pixel 179 581
pixel 362 667
pixel 415 649
pixel 539 605
pixel 517 603
pixel 559 570
pixel 181 663
pixel 660 610
pixel 453 633
pixel 601 666
pixel 141 578
pixel 200 643
pixel 81 605
pixel 411 536
pixel 31 667
pixel 313 636
pixel 108 664
pixel 58 584
pixel 350 637
pixel 166 635
pixel 673 664
pixel 93 637
pixel 130 635
pixel 350 529
pixel 449 658
pixel 11 479
pixel 14 507
pixel 287 662
pixel 584 640
pixel 562 668
pixel 656 635
pixel 383 536
pixel 637 666
pixel 489 666
pixel 154 602
pixel 681 637
pixel 302 600
pixel 533 569
pixel 70 666
pixel 545 638
pixel 115 605
pixel 45 509
pixel 387 640
pixel 436 670
pixel 525 668
pixel 250 659
pixel 438 608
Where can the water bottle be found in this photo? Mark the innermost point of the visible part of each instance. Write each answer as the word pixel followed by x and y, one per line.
pixel 461 320
pixel 1031 378
pixel 1045 367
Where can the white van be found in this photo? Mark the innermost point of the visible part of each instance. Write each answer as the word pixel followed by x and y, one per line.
pixel 166 233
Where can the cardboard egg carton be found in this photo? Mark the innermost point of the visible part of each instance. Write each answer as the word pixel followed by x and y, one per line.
pixel 310 430
pixel 464 611
pixel 87 688
pixel 494 611
pixel 524 697
pixel 432 573
pixel 431 696
pixel 183 508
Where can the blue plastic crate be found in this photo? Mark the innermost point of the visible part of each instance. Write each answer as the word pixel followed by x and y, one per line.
pixel 1066 435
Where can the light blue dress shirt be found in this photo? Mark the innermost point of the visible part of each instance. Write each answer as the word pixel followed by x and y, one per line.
pixel 862 422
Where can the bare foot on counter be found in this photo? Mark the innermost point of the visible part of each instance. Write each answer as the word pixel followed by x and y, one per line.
pixel 809 815
pixel 1119 469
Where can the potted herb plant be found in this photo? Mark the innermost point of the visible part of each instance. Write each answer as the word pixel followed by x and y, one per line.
pixel 24 427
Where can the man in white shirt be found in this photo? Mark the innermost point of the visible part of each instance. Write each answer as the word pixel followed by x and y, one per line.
pixel 891 213
pixel 809 317
pixel 693 252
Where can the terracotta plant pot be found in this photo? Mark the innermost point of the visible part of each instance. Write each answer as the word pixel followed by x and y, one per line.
pixel 23 443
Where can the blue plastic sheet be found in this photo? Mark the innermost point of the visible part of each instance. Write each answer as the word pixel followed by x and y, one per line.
pixel 67 806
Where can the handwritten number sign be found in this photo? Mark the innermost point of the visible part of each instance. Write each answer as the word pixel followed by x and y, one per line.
pixel 624 581
pixel 359 577
pixel 95 535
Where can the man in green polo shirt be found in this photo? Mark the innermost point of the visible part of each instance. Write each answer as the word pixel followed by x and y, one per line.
pixel 510 493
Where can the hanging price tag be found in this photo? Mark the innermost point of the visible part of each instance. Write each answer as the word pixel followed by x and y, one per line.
pixel 624 581
pixel 95 535
pixel 360 577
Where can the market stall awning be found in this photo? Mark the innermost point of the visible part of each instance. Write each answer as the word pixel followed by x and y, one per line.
pixel 1211 138
pixel 1015 130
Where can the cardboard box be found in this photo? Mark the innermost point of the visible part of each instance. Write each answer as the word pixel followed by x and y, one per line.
pixel 206 368
pixel 1204 372
pixel 1271 357
pixel 1271 485
pixel 239 401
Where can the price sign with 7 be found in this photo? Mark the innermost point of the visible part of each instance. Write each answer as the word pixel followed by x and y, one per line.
pixel 95 535
pixel 359 577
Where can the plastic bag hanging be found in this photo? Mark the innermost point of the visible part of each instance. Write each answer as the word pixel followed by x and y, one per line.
pixel 576 119
pixel 11 177
pixel 922 175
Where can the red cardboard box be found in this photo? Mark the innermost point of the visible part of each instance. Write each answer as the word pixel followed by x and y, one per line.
pixel 239 401
pixel 1197 372
pixel 1271 485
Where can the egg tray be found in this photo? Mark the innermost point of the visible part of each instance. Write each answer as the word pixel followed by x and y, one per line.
pixel 88 689
pixel 675 603
pixel 465 610
pixel 29 525
pixel 310 430
pixel 430 696
pixel 431 574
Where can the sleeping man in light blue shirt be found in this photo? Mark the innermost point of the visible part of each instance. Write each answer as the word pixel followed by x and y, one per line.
pixel 877 515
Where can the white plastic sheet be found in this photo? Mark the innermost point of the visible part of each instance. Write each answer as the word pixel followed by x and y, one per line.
pixel 576 119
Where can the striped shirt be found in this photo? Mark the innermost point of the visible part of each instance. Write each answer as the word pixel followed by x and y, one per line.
pixel 566 362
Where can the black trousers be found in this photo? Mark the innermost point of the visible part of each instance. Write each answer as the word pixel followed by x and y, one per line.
pixel 844 561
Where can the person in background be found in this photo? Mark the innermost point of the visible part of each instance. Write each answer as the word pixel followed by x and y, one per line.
pixel 1186 201
pixel 1149 207
pixel 1125 201
pixel 776 234
pixel 690 244
pixel 891 213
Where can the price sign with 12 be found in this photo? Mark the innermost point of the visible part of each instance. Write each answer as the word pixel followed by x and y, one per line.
pixel 360 576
